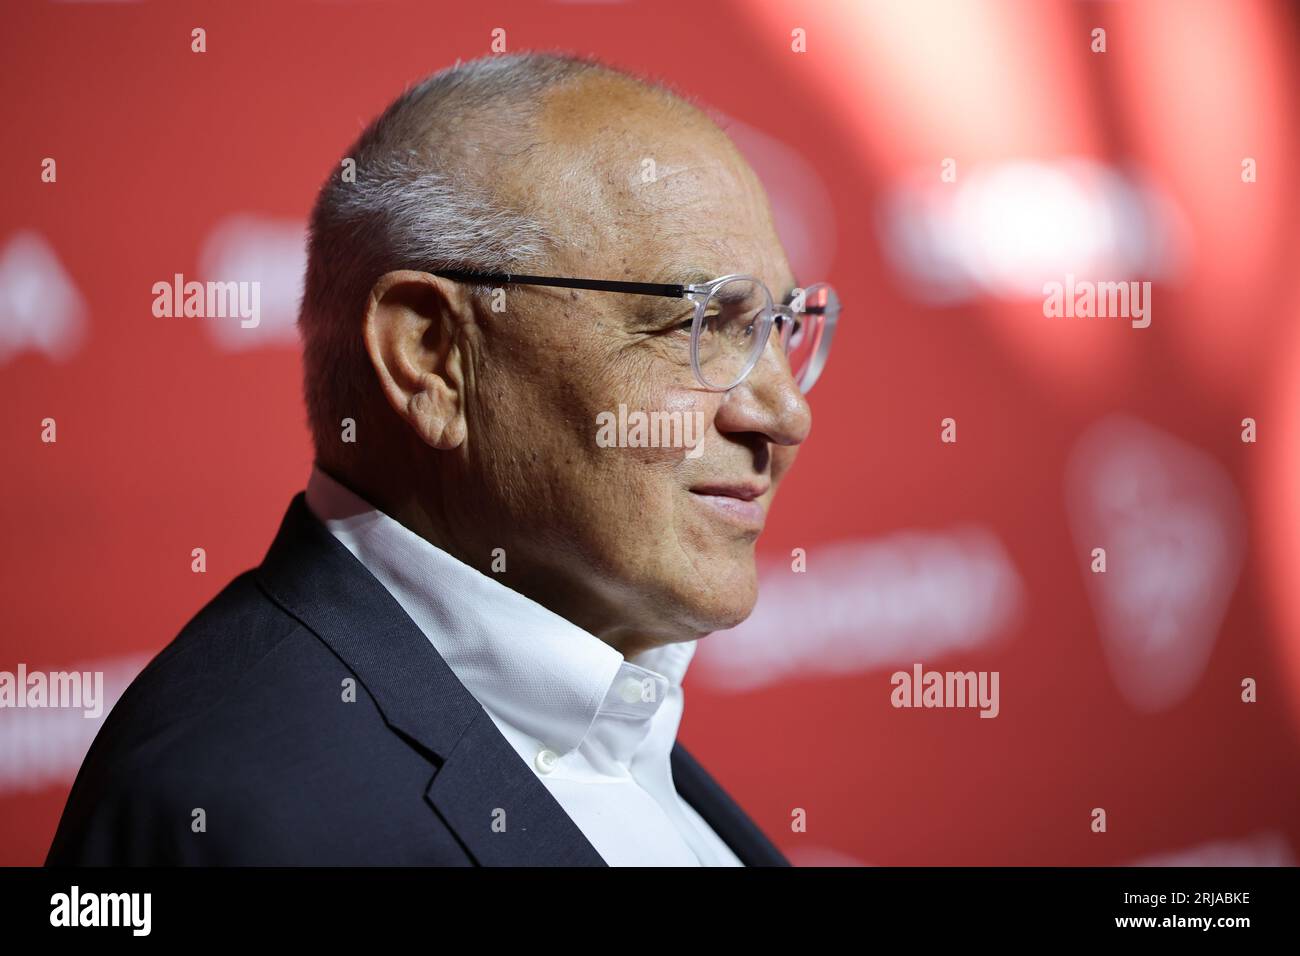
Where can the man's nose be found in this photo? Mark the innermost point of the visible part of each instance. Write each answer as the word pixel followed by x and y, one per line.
pixel 768 401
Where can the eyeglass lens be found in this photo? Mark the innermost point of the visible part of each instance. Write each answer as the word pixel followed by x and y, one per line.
pixel 729 343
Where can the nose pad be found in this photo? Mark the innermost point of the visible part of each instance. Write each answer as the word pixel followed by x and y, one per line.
pixel 784 322
pixel 779 330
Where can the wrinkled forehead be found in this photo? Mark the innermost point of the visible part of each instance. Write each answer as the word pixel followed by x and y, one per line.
pixel 634 180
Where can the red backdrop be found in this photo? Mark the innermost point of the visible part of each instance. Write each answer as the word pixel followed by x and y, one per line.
pixel 938 162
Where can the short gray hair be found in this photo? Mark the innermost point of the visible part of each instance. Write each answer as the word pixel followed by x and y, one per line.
pixel 419 202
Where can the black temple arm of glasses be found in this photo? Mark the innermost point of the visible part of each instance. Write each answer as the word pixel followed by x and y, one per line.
pixel 597 285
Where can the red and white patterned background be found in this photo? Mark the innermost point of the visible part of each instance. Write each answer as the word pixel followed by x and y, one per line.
pixel 1121 691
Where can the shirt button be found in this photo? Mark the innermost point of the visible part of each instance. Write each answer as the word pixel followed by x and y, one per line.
pixel 546 760
pixel 631 691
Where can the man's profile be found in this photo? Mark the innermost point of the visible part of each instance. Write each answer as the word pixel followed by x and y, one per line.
pixel 466 643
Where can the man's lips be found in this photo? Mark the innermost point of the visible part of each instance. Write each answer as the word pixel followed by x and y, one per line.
pixel 744 490
pixel 737 502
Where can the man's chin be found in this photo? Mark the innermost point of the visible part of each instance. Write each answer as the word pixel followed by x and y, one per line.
pixel 728 621
pixel 726 606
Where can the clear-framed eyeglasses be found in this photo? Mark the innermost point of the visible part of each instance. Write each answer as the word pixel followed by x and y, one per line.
pixel 733 319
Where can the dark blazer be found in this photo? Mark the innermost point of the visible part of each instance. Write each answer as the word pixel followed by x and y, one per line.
pixel 240 722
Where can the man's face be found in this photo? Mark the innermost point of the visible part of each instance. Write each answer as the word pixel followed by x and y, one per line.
pixel 640 545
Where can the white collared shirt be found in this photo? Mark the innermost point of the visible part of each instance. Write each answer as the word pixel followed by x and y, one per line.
pixel 596 729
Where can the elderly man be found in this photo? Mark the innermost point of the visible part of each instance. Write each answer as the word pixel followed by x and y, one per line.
pixel 466 644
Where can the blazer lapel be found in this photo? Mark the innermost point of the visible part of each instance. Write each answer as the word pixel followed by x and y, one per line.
pixel 723 814
pixel 479 779
pixel 500 810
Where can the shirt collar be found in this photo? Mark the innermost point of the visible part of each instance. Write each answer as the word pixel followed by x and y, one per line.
pixel 526 664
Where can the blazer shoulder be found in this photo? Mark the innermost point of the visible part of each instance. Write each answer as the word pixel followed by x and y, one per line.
pixel 208 660
pixel 155 741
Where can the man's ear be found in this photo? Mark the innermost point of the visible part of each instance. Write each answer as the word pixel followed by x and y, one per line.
pixel 412 334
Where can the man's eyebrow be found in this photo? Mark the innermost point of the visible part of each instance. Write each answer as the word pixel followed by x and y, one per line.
pixel 659 307
pixel 696 276
pixel 688 276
